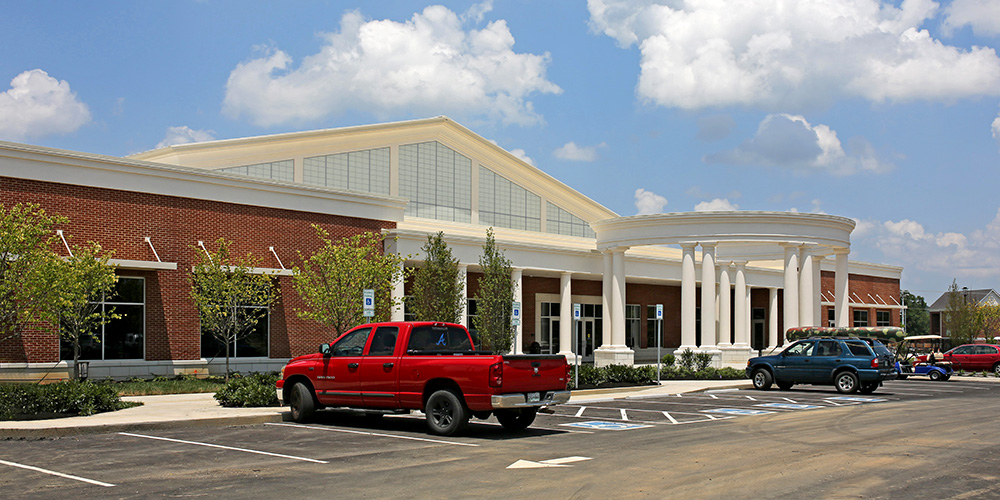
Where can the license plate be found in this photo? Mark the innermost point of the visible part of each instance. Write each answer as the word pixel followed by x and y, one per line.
pixel 534 397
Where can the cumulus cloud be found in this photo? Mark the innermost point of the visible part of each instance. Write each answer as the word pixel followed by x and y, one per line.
pixel 996 129
pixel 522 155
pixel 570 151
pixel 716 205
pixel 428 65
pixel 779 55
pixel 38 105
pixel 184 135
pixel 983 16
pixel 790 141
pixel 648 202
pixel 909 243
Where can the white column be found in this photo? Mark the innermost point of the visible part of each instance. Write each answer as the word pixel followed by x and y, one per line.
pixel 397 294
pixel 606 298
pixel 741 313
pixel 806 288
pixel 708 338
pixel 725 307
pixel 842 303
pixel 463 276
pixel 791 289
pixel 772 318
pixel 687 298
pixel 515 277
pixel 618 299
pixel 817 304
pixel 566 347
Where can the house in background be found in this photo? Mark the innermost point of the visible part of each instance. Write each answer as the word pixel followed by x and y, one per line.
pixel 983 297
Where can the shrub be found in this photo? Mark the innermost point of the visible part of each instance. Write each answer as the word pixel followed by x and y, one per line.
pixel 686 359
pixel 63 399
pixel 702 360
pixel 249 391
pixel 668 360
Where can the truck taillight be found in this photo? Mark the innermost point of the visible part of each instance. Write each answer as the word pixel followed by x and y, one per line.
pixel 496 374
pixel 874 362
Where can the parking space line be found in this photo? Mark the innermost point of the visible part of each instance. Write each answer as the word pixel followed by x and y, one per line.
pixel 669 417
pixel 713 396
pixel 580 411
pixel 54 473
pixel 624 414
pixel 366 433
pixel 790 400
pixel 210 445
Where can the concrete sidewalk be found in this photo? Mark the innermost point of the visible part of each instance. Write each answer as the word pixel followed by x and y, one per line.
pixel 193 410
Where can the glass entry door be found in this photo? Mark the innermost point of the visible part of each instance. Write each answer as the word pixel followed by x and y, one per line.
pixel 586 338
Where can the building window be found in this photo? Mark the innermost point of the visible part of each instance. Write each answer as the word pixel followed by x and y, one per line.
pixel 860 317
pixel 548 334
pixel 472 316
pixel 831 317
pixel 883 318
pixel 278 170
pixel 121 338
pixel 559 221
pixel 505 204
pixel 437 181
pixel 633 323
pixel 251 345
pixel 366 171
pixel 651 326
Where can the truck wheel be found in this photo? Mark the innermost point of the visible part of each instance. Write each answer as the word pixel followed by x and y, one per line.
pixel 516 420
pixel 302 404
pixel 846 383
pixel 762 379
pixel 445 412
pixel 934 375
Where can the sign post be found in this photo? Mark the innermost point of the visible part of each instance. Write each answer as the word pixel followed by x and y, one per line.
pixel 368 303
pixel 659 340
pixel 576 343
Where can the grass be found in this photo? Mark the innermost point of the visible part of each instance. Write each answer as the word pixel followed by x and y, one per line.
pixel 163 385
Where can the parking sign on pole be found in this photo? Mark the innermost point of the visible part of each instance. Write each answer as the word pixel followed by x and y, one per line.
pixel 368 303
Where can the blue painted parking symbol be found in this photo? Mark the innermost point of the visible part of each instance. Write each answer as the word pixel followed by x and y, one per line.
pixel 858 399
pixel 737 411
pixel 789 406
pixel 606 426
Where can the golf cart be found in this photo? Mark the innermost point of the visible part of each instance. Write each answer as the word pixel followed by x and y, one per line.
pixel 908 365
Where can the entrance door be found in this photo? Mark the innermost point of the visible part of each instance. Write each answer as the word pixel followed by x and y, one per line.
pixel 548 337
pixel 758 340
pixel 586 328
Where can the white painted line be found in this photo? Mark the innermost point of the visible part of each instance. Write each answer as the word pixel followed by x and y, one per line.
pixel 565 460
pixel 712 417
pixel 790 400
pixel 751 398
pixel 210 445
pixel 364 433
pixel 54 473
pixel 580 411
pixel 713 396
pixel 624 415
pixel 672 419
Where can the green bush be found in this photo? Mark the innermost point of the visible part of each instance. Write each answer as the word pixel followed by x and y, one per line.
pixel 686 359
pixel 702 360
pixel 252 390
pixel 615 374
pixel 709 373
pixel 668 360
pixel 63 399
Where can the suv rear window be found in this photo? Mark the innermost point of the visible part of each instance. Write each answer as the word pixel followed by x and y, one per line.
pixel 859 348
pixel 439 338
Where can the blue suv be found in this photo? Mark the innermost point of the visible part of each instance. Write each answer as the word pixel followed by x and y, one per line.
pixel 849 364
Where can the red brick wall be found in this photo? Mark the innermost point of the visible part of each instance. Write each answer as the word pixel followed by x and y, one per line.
pixel 119 220
pixel 886 289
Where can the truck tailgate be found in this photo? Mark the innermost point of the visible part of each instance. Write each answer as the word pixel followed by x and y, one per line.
pixel 534 372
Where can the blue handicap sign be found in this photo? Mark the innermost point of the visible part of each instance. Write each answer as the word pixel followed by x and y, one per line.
pixel 858 399
pixel 737 411
pixel 606 426
pixel 789 406
pixel 442 341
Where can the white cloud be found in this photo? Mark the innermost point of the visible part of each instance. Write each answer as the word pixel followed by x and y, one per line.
pixel 648 202
pixel 716 205
pixel 428 65
pixel 780 55
pixel 38 105
pixel 520 153
pixel 570 151
pixel 982 15
pixel 184 135
pixel 996 128
pixel 790 141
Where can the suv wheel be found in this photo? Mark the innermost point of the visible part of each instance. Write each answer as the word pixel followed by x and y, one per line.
pixel 784 385
pixel 762 379
pixel 846 382
pixel 868 388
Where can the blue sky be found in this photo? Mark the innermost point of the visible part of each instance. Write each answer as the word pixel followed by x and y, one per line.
pixel 885 112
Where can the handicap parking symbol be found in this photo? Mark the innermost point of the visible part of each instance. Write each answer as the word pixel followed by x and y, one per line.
pixel 858 399
pixel 789 406
pixel 606 426
pixel 737 411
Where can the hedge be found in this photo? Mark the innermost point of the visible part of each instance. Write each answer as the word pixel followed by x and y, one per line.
pixel 245 391
pixel 62 399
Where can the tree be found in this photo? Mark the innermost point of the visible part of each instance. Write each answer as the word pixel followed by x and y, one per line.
pixel 989 320
pixel 230 298
pixel 437 289
pixel 332 280
pixel 28 266
pixel 85 281
pixel 960 319
pixel 495 299
pixel 918 319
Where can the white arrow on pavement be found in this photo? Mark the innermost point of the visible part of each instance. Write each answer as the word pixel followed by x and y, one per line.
pixel 555 462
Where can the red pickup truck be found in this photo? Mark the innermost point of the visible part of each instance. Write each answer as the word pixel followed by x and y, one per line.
pixel 433 367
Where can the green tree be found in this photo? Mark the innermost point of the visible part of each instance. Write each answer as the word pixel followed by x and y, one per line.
pixel 989 320
pixel 495 299
pixel 28 267
pixel 85 280
pixel 960 318
pixel 918 319
pixel 332 280
pixel 229 296
pixel 437 286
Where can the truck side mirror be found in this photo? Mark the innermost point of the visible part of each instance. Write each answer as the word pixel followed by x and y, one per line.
pixel 324 349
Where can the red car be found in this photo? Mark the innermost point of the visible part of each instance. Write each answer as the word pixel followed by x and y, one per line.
pixel 972 358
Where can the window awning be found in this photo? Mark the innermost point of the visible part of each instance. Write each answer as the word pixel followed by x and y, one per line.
pixel 143 265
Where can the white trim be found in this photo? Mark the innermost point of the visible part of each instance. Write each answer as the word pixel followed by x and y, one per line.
pixel 142 265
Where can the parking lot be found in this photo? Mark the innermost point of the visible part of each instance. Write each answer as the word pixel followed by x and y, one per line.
pixel 394 456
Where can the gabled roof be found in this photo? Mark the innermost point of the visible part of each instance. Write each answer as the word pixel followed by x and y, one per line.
pixel 985 296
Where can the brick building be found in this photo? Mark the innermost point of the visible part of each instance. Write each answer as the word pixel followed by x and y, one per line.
pixel 408 180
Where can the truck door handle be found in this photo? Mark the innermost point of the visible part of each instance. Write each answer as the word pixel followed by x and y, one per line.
pixel 352 365
pixel 387 365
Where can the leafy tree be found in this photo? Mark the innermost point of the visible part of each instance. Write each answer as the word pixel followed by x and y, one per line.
pixel 960 318
pixel 495 299
pixel 989 320
pixel 918 319
pixel 229 297
pixel 437 289
pixel 84 281
pixel 331 281
pixel 28 266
